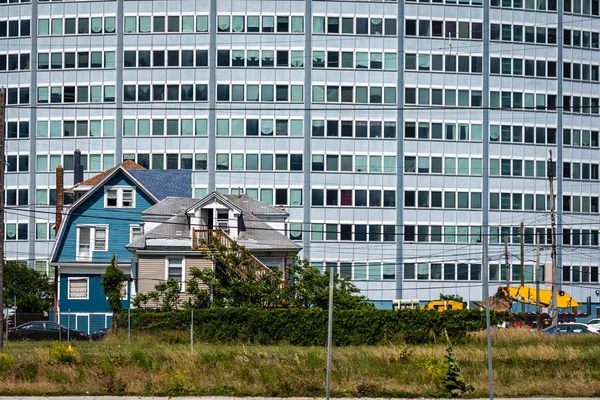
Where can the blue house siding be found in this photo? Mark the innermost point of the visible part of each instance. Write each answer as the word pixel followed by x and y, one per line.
pixel 96 301
pixel 93 212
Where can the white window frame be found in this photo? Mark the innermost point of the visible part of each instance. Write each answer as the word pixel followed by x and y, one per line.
pixel 182 271
pixel 92 228
pixel 87 282
pixel 120 190
pixel 133 227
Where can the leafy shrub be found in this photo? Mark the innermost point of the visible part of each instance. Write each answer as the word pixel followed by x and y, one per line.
pixel 140 358
pixel 308 327
pixel 6 362
pixel 61 353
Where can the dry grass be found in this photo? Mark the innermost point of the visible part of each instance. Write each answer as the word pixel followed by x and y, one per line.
pixel 525 364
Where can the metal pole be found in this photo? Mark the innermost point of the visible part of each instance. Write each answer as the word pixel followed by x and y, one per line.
pixel 538 319
pixel 129 324
pixel 329 333
pixel 522 272
pixel 553 226
pixel 506 266
pixel 192 332
pixel 68 324
pixel 2 166
pixel 486 295
pixel 6 325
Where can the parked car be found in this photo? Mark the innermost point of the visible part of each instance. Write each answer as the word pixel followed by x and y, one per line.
pixel 100 334
pixel 594 323
pixel 45 330
pixel 570 328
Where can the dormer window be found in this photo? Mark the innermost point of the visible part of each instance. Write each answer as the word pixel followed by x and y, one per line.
pixel 119 197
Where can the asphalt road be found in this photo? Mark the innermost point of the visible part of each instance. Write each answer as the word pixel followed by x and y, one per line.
pixel 252 398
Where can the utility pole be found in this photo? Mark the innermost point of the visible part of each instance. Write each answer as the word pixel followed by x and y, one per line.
pixel 522 272
pixel 553 229
pixel 2 136
pixel 506 266
pixel 538 319
pixel 329 334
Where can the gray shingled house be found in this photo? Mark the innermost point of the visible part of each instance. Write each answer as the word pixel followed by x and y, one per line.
pixel 176 228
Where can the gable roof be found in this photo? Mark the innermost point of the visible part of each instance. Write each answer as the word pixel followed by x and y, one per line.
pixel 94 180
pixel 170 206
pixel 214 196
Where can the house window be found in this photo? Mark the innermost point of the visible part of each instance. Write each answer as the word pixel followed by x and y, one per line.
pixel 89 239
pixel 135 232
pixel 175 270
pixel 119 197
pixel 223 220
pixel 78 288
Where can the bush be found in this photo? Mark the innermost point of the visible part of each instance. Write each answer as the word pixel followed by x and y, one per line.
pixel 6 362
pixel 61 353
pixel 308 327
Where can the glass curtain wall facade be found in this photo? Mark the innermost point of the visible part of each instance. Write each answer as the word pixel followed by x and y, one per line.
pixel 406 138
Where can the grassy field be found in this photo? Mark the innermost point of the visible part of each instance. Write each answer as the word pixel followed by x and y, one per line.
pixel 525 364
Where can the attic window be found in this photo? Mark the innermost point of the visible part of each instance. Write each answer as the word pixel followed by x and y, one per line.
pixel 120 197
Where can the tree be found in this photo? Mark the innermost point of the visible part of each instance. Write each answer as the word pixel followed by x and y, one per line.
pixel 112 283
pixel 452 297
pixel 31 289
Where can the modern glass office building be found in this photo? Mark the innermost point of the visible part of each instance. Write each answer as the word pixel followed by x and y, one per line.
pixel 406 139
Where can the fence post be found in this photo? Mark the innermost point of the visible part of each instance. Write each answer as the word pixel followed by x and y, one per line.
pixel 6 341
pixel 192 332
pixel 68 325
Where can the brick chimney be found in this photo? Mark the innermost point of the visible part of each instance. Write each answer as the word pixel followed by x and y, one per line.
pixel 59 196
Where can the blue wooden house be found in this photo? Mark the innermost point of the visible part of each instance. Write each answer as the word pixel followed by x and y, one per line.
pixel 104 217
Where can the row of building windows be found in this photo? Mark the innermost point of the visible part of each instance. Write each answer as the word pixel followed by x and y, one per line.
pixel 176 92
pixel 439 271
pixel 19 95
pixel 498 235
pixel 442 234
pixel 585 39
pixel 15 62
pixel 581 72
pixel 16 231
pixel 354 94
pixel 580 171
pixel 260 58
pixel 460 2
pixel 197 162
pixel 15 28
pixel 79 128
pixel 522 134
pixel 263 24
pixel 439 199
pixel 581 105
pixel 523 34
pixel 355 26
pixel 519 201
pixel 447 29
pixel 17 129
pixel 353 163
pixel 352 232
pixel 520 168
pixel 580 137
pixel 354 59
pixel 357 129
pixel 97 162
pixel 579 273
pixel 352 198
pixel 76 26
pixel 580 237
pixel 80 59
pixel 443 165
pixel 254 127
pixel 166 24
pixel 160 127
pixel 16 163
pixel 162 58
pixel 580 204
pixel 76 94
pixel 584 7
pixel 264 93
pixel 437 130
pixel 443 97
pixel 45 197
pixel 44 231
pixel 268 162
pixel 523 67
pixel 358 271
pixel 519 100
pixel 443 63
pixel 539 5
pixel 16 197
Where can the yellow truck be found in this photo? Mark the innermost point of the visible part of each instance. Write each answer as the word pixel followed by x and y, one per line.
pixel 439 305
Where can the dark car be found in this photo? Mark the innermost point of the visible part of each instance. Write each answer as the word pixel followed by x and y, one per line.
pixel 100 334
pixel 45 330
pixel 569 328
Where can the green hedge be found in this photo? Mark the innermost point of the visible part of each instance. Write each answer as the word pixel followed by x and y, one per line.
pixel 307 327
